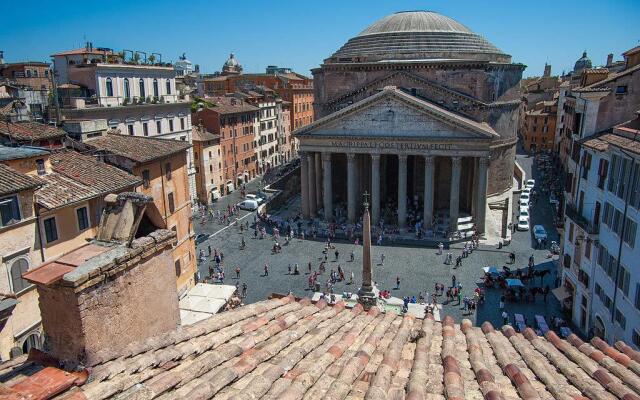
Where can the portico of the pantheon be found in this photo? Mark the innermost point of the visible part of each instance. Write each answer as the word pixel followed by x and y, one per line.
pixel 418 111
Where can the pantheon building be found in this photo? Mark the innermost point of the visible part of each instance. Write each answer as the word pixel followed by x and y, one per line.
pixel 418 111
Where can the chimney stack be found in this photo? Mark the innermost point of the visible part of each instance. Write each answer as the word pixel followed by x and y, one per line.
pixel 609 59
pixel 547 70
pixel 101 297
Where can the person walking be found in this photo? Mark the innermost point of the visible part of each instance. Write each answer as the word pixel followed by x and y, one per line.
pixel 501 304
pixel 266 270
pixel 237 272
pixel 440 248
pixel 351 278
pixel 209 249
pixel 505 318
pixel 397 282
pixel 244 290
pixel 382 259
pixel 353 256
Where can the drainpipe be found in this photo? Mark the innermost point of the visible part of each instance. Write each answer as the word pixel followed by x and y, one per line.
pixel 164 200
pixel 39 232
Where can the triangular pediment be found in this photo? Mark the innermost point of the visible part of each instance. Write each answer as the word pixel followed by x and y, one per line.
pixel 394 113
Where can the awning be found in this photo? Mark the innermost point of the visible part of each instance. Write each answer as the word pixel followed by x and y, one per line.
pixel 203 301
pixel 561 293
pixel 514 282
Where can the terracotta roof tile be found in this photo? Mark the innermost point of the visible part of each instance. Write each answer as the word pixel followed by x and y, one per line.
pixel 77 177
pixel 137 148
pixel 12 181
pixel 283 349
pixel 29 131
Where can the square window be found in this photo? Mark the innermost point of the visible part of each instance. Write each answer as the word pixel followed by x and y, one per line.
pixel 83 218
pixel 146 180
pixel 50 229
pixel 9 211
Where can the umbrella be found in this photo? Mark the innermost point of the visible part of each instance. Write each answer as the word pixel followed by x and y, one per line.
pixel 514 282
pixel 491 270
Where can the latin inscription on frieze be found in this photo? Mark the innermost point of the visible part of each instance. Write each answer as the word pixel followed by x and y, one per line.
pixel 393 145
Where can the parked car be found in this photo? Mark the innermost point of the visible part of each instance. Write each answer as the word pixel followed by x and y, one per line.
pixel 254 197
pixel 526 190
pixel 201 237
pixel 530 183
pixel 539 232
pixel 249 205
pixel 524 213
pixel 553 200
pixel 215 194
pixel 523 223
pixel 524 200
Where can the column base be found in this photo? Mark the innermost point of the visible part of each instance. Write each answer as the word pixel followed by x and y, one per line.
pixel 367 298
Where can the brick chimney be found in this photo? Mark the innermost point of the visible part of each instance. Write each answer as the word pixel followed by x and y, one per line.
pixel 547 70
pixel 111 292
pixel 609 59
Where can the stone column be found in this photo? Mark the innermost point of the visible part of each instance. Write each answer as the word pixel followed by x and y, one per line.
pixel 318 170
pixel 327 189
pixel 351 187
pixel 312 185
pixel 375 187
pixel 304 184
pixel 402 191
pixel 429 169
pixel 366 297
pixel 454 200
pixel 481 194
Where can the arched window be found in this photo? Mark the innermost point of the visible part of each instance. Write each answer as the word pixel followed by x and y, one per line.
pixel 168 86
pixel 109 87
pixel 127 90
pixel 33 341
pixel 19 267
pixel 156 91
pixel 142 92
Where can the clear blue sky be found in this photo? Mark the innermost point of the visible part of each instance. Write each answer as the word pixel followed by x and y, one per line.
pixel 300 34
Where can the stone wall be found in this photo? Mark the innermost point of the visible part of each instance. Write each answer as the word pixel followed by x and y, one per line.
pixel 287 187
pixel 116 298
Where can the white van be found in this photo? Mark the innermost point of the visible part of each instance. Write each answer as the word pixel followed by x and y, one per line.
pixel 230 186
pixel 250 205
pixel 215 194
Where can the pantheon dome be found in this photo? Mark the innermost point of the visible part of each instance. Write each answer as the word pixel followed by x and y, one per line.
pixel 417 35
pixel 416 110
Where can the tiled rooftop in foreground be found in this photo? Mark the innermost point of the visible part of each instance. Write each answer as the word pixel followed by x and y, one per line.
pixel 288 349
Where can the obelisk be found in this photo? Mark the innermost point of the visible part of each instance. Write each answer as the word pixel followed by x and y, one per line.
pixel 366 297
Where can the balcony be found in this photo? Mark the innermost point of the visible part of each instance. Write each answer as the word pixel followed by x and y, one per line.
pixel 571 211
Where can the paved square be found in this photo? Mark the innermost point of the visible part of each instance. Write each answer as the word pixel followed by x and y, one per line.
pixel 418 268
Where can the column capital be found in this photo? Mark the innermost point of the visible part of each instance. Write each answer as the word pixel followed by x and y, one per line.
pixel 456 162
pixel 429 160
pixel 484 161
pixel 402 158
pixel 351 157
pixel 326 156
pixel 375 157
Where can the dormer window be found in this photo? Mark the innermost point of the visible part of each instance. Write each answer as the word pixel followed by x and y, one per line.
pixel 40 166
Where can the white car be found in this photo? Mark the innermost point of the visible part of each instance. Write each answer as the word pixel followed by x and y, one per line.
pixel 523 223
pixel 530 183
pixel 524 200
pixel 526 190
pixel 524 213
pixel 250 205
pixel 254 197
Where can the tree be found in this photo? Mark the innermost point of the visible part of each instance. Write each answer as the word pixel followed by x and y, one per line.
pixel 152 59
